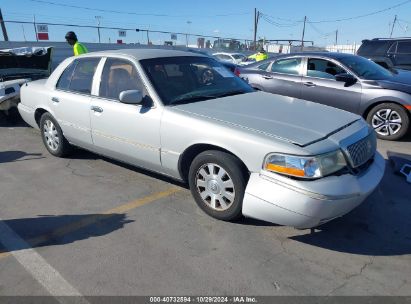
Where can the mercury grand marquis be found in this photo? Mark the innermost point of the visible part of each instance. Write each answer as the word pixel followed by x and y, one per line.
pixel 242 152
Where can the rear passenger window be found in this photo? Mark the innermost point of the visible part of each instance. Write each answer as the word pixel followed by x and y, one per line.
pixel 287 66
pixel 119 75
pixel 83 74
pixel 65 78
pixel 404 47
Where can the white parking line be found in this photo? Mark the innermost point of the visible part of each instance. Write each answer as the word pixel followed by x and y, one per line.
pixel 37 266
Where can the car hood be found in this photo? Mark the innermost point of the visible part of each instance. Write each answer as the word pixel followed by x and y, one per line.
pixel 401 81
pixel 294 120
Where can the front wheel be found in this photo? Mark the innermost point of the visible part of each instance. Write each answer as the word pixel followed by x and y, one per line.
pixel 389 120
pixel 53 137
pixel 217 183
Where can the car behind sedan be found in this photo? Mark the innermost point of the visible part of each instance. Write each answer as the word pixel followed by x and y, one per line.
pixel 344 81
pixel 270 157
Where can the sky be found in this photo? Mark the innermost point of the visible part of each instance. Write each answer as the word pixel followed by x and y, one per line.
pixel 228 18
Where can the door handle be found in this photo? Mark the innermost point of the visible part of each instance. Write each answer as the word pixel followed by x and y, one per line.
pixel 310 84
pixel 267 77
pixel 55 99
pixel 96 109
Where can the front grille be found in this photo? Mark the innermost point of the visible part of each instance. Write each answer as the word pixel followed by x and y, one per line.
pixel 362 151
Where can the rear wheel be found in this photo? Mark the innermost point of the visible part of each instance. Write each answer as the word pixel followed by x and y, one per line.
pixel 217 183
pixel 389 120
pixel 53 137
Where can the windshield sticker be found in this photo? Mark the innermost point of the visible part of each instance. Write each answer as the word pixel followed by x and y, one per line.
pixel 223 72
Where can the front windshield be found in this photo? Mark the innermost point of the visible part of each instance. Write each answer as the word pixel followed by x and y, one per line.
pixel 189 79
pixel 366 69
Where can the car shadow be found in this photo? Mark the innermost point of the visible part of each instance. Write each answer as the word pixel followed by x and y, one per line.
pixel 49 230
pixel 381 226
pixel 15 156
pixel 83 154
pixel 11 121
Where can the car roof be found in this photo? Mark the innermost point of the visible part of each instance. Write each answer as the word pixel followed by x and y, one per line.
pixel 332 55
pixel 141 54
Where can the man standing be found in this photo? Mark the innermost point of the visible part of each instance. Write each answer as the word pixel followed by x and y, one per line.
pixel 78 48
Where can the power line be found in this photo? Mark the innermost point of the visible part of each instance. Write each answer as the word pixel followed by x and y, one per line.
pixel 134 13
pixel 364 15
pixel 270 20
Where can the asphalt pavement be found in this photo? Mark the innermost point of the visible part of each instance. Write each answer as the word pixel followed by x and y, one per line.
pixel 87 225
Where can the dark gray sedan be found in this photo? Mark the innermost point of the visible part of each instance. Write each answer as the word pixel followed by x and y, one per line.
pixel 344 81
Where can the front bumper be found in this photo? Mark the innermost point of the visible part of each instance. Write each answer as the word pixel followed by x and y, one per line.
pixel 306 204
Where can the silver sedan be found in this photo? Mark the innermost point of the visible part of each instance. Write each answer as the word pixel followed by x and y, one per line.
pixel 270 157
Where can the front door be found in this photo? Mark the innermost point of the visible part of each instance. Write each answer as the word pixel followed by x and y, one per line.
pixel 127 132
pixel 320 85
pixel 70 101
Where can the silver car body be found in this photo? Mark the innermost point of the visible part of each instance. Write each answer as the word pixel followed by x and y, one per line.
pixel 250 126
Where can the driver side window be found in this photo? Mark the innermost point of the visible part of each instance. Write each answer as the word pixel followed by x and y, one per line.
pixel 119 75
pixel 321 68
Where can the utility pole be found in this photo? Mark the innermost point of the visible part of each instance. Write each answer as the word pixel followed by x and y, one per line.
pixel 302 38
pixel 3 27
pixel 336 37
pixel 256 17
pixel 24 33
pixel 393 25
pixel 98 27
pixel 35 27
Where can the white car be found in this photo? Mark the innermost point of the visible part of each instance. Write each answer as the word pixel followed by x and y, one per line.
pixel 236 58
pixel 243 152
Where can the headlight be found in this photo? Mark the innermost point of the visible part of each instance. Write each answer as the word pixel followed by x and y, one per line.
pixel 303 166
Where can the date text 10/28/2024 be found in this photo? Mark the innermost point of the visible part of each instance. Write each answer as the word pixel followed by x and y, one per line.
pixel 203 299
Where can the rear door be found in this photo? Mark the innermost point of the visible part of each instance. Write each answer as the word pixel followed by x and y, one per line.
pixel 127 132
pixel 283 77
pixel 320 85
pixel 70 101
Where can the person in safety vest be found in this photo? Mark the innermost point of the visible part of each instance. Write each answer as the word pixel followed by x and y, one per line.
pixel 261 55
pixel 78 48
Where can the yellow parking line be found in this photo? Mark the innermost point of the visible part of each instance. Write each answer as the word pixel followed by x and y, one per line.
pixel 92 219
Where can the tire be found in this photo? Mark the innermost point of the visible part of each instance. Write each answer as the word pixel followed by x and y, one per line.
pixel 218 193
pixel 389 120
pixel 53 137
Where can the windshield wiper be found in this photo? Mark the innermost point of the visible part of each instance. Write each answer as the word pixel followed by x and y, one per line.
pixel 232 93
pixel 190 99
pixel 187 99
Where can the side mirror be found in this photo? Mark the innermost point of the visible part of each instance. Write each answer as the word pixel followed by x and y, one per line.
pixel 131 97
pixel 347 78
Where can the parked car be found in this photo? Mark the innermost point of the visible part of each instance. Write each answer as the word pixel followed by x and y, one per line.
pixel 18 66
pixel 387 52
pixel 344 81
pixel 242 152
pixel 236 58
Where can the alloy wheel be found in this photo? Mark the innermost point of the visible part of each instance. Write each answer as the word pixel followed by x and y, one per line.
pixel 386 122
pixel 51 135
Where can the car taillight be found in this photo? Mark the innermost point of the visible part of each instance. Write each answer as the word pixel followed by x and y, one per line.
pixel 237 72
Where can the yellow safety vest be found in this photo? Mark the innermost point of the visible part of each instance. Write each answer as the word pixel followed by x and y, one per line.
pixel 79 49
pixel 261 56
pixel 258 56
